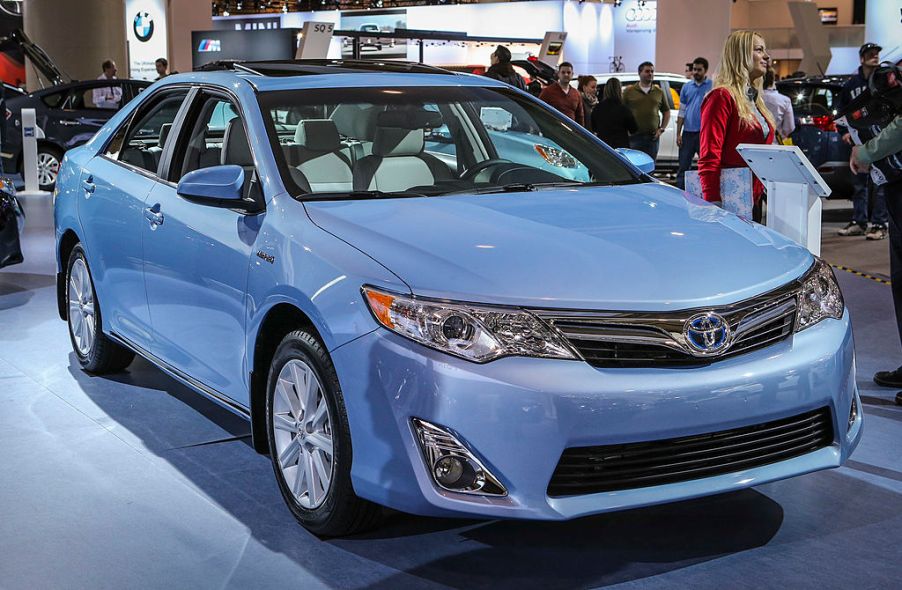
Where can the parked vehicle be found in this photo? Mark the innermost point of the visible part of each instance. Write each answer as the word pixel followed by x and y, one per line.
pixel 815 103
pixel 473 335
pixel 535 73
pixel 671 84
pixel 66 115
pixel 12 222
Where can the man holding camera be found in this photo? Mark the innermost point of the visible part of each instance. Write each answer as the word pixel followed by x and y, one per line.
pixel 885 145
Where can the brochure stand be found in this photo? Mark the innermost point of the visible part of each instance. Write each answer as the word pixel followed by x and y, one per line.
pixel 794 191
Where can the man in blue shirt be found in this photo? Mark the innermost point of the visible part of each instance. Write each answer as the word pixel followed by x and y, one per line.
pixel 689 119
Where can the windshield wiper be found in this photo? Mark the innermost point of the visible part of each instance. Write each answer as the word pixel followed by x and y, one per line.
pixel 358 195
pixel 513 187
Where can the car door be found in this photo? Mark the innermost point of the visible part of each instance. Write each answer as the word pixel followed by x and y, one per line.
pixel 79 117
pixel 115 184
pixel 197 256
pixel 668 149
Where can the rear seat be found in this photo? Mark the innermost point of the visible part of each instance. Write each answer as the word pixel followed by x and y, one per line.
pixel 319 155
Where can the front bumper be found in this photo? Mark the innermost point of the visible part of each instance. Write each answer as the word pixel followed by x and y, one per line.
pixel 519 414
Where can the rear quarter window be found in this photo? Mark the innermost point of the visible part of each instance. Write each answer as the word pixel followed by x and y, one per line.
pixel 55 100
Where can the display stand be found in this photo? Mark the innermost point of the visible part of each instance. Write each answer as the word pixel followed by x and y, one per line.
pixel 36 203
pixel 794 191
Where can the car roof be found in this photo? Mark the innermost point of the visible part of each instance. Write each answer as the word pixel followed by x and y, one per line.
pixel 85 83
pixel 830 81
pixel 635 76
pixel 301 74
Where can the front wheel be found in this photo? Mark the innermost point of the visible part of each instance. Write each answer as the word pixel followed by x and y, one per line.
pixel 310 441
pixel 96 353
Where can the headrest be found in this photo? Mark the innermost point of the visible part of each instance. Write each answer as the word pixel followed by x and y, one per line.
pixel 409 119
pixel 356 120
pixel 165 128
pixel 394 141
pixel 235 147
pixel 318 135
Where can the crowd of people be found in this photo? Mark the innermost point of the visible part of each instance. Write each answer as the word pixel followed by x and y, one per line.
pixel 742 105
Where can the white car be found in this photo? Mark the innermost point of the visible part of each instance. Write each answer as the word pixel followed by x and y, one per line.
pixel 668 152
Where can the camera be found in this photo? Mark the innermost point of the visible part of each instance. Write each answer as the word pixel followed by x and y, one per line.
pixel 880 103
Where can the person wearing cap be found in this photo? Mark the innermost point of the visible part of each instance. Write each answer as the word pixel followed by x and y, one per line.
pixel 869 55
pixel 501 68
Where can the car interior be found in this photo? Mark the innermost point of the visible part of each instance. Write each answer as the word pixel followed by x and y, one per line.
pixel 423 147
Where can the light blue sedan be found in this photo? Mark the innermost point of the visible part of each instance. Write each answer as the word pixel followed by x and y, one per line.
pixel 432 292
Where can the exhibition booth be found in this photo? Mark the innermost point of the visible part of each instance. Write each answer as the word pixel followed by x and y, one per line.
pixel 296 298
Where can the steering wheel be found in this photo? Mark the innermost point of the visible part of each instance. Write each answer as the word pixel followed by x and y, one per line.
pixel 471 172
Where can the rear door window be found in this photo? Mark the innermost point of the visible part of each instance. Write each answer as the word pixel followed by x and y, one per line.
pixel 141 142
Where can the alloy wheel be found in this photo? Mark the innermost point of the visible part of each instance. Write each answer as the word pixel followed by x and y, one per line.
pixel 48 168
pixel 82 319
pixel 302 430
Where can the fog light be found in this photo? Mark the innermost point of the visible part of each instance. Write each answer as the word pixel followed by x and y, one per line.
pixel 452 465
pixel 853 413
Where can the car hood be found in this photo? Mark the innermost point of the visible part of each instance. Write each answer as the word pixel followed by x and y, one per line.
pixel 638 247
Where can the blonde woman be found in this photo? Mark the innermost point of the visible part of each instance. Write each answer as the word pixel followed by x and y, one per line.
pixel 734 112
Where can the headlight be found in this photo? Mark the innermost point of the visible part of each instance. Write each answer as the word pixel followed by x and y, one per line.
pixel 555 156
pixel 819 297
pixel 472 332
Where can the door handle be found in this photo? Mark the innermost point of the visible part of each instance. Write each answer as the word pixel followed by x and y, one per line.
pixel 153 215
pixel 89 185
pixel 68 123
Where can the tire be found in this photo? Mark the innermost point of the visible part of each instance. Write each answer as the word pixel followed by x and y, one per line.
pixel 95 352
pixel 49 160
pixel 300 441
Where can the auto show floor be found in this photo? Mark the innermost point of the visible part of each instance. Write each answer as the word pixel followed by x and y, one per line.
pixel 133 481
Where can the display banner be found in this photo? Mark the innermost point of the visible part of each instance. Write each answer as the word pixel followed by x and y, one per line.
pixel 315 40
pixel 145 28
pixel 883 26
pixel 635 28
pixel 375 21
pixel 552 51
pixel 247 24
pixel 209 46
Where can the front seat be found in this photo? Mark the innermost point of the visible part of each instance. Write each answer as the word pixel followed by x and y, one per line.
pixel 398 162
pixel 319 157
pixel 237 151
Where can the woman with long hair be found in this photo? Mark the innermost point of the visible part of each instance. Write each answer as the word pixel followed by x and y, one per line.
pixel 734 112
pixel 502 69
pixel 588 92
pixel 612 121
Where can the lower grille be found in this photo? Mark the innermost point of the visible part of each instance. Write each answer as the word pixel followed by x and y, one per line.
pixel 589 470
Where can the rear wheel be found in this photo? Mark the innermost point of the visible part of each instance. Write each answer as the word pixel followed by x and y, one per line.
pixel 310 441
pixel 49 160
pixel 96 353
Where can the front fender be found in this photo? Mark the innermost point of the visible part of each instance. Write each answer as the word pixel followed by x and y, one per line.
pixel 299 264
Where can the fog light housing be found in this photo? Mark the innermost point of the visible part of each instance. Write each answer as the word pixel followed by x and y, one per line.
pixel 853 413
pixel 452 466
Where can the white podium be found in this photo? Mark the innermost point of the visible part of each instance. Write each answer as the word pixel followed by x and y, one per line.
pixel 794 191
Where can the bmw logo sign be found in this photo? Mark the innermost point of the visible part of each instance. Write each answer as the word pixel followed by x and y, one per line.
pixel 143 26
pixel 707 333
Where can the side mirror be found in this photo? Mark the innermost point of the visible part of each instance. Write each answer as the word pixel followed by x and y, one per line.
pixel 221 186
pixel 640 160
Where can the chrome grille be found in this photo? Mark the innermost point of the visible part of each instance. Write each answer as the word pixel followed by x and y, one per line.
pixel 590 470
pixel 616 339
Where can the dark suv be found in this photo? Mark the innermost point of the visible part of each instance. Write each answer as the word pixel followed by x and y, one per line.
pixel 68 117
pixel 815 102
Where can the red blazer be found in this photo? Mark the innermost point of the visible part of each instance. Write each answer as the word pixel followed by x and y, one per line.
pixel 722 131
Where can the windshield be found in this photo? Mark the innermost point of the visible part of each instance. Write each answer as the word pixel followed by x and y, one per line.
pixel 409 141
